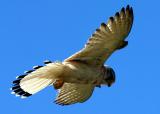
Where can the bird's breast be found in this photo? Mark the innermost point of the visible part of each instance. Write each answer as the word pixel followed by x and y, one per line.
pixel 81 73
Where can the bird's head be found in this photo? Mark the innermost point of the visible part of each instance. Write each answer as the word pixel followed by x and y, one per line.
pixel 109 75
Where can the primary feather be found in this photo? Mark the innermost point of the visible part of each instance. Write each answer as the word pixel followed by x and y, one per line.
pixel 106 39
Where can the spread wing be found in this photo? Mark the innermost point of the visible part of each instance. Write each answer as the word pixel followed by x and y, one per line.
pixel 108 38
pixel 74 93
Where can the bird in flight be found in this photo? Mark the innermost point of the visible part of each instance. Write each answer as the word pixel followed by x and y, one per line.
pixel 77 76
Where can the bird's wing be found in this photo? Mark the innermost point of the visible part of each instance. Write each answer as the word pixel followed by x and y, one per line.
pixel 71 93
pixel 108 38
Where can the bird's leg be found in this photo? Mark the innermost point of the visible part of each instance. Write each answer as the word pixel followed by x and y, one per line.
pixel 123 44
pixel 58 84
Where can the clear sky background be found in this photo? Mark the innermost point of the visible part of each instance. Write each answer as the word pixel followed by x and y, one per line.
pixel 32 31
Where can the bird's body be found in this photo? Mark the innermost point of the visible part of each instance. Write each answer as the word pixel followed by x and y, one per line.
pixel 76 72
pixel 76 77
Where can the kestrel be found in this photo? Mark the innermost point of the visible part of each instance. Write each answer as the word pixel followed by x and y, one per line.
pixel 76 77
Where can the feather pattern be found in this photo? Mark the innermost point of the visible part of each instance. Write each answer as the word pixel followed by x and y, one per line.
pixel 107 39
pixel 71 93
pixel 35 80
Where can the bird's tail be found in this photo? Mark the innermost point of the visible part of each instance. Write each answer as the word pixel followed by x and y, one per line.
pixel 35 80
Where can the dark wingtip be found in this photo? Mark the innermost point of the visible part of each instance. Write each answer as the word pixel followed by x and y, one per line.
pixel 37 67
pixel 103 24
pixel 127 8
pixel 26 94
pixel 16 82
pixel 117 14
pixel 17 90
pixel 21 76
pixel 97 30
pixel 111 19
pixel 59 103
pixel 131 11
pixel 47 62
pixel 29 71
pixel 123 9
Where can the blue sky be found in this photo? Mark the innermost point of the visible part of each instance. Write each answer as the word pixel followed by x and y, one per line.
pixel 32 31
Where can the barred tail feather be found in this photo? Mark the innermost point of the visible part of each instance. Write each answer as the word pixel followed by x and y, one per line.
pixel 36 80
